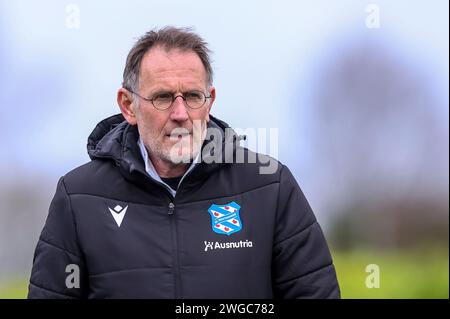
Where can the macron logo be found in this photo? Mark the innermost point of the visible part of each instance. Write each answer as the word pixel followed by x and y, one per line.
pixel 118 213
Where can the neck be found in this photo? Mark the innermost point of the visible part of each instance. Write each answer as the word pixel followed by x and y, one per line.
pixel 167 169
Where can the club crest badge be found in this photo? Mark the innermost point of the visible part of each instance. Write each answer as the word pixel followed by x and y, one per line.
pixel 225 219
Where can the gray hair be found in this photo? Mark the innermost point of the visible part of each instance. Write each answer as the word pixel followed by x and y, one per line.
pixel 168 38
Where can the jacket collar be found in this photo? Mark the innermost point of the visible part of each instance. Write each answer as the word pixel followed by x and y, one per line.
pixel 116 140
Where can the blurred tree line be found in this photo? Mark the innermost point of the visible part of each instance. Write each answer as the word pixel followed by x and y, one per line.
pixel 379 140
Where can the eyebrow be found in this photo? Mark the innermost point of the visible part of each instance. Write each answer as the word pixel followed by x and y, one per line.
pixel 162 90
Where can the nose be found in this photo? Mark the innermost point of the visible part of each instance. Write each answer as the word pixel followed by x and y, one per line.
pixel 178 110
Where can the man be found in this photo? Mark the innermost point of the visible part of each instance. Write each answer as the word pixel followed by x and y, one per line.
pixel 168 209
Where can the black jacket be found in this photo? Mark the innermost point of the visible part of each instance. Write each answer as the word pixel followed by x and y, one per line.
pixel 230 232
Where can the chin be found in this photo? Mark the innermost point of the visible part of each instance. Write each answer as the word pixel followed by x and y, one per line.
pixel 176 157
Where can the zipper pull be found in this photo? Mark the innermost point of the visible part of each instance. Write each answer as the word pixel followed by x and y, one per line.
pixel 171 208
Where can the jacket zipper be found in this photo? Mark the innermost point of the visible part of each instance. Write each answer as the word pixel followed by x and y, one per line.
pixel 174 231
pixel 173 227
pixel 176 274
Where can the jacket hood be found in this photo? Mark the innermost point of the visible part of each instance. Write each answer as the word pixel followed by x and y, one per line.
pixel 115 139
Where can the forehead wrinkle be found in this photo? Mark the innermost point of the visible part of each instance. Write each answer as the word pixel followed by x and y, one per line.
pixel 169 54
pixel 183 78
pixel 174 84
pixel 172 64
pixel 174 80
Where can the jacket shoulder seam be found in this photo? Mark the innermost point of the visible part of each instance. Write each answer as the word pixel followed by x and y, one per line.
pixel 235 194
pixel 71 211
pixel 111 198
pixel 306 274
pixel 296 233
pixel 52 291
pixel 278 198
pixel 60 248
pixel 196 201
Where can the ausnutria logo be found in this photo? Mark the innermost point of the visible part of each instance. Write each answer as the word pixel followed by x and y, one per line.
pixel 211 245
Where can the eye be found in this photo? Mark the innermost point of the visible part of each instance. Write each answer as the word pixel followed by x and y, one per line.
pixel 163 96
pixel 194 95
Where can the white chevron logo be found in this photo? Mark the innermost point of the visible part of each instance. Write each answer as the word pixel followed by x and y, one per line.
pixel 118 213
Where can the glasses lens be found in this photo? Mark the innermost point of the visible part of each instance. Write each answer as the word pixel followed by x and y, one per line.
pixel 162 100
pixel 195 99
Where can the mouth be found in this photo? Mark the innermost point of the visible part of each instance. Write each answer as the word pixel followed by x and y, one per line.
pixel 179 135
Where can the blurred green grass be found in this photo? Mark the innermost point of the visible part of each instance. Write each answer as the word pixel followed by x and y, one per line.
pixel 409 274
pixel 406 274
pixel 16 288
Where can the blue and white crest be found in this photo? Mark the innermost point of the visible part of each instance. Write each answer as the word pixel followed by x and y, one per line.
pixel 225 219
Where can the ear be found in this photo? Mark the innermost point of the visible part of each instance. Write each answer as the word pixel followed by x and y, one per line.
pixel 127 107
pixel 212 92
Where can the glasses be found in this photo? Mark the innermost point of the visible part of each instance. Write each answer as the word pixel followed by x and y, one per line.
pixel 162 101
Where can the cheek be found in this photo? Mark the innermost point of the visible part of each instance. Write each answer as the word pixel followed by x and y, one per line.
pixel 202 115
pixel 151 123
